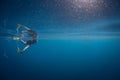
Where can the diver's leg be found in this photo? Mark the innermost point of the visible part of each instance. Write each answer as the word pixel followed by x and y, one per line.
pixel 26 48
pixel 23 41
pixel 21 51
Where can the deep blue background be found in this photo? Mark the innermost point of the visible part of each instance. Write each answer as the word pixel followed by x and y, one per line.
pixel 61 53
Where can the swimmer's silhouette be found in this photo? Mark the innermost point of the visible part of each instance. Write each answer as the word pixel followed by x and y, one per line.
pixel 31 35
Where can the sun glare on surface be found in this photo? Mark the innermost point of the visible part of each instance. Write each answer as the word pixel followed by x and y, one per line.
pixel 86 4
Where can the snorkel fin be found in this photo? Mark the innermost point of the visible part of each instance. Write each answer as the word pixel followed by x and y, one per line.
pixel 19 51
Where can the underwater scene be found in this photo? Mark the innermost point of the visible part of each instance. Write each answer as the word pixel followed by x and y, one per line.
pixel 59 40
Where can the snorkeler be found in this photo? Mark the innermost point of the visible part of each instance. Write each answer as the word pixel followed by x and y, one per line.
pixel 26 33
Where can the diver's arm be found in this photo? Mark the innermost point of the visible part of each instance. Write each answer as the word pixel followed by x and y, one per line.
pixel 27 28
pixel 20 25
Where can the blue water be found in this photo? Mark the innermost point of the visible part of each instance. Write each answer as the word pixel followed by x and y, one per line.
pixel 62 60
pixel 78 40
